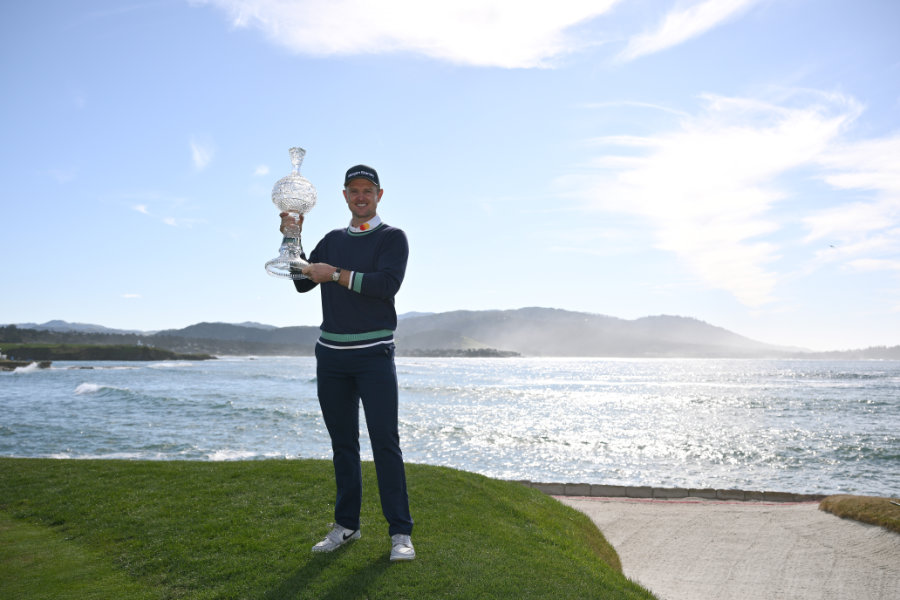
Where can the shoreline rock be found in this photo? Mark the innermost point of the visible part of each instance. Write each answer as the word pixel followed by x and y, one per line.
pixel 12 365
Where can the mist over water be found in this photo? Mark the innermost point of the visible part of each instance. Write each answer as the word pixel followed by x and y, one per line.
pixel 782 425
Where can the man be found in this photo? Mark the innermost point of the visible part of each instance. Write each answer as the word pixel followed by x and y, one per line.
pixel 359 270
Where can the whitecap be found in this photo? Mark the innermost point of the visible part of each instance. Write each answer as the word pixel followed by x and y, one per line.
pixel 88 388
pixel 224 455
pixel 113 456
pixel 27 368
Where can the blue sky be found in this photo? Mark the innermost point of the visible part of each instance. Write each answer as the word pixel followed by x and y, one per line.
pixel 737 161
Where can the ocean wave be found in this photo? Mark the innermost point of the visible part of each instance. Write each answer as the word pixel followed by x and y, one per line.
pixel 90 388
pixel 119 396
pixel 170 365
pixel 98 456
pixel 26 369
pixel 838 375
pixel 281 377
pixel 222 455
pixel 229 454
pixel 95 367
pixel 107 391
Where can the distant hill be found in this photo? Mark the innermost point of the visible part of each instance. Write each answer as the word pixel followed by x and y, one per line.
pixel 202 338
pixel 413 314
pixel 553 332
pixel 526 331
pixel 57 325
pixel 257 325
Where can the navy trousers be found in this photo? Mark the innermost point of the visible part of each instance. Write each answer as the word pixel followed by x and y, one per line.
pixel 344 378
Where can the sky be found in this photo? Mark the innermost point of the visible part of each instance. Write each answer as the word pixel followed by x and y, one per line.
pixel 734 161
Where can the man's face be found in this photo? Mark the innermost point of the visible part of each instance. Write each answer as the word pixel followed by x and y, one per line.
pixel 362 197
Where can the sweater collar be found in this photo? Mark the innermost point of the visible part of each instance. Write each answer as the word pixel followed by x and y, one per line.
pixel 369 225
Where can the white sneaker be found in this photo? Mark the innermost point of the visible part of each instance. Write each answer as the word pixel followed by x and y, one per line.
pixel 337 537
pixel 401 548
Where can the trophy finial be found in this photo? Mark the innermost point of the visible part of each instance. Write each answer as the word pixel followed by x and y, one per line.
pixel 297 155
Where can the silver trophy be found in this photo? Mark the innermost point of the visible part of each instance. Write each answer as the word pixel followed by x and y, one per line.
pixel 294 195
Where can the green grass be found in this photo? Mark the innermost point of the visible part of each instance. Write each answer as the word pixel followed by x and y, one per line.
pixel 131 529
pixel 867 509
pixel 36 562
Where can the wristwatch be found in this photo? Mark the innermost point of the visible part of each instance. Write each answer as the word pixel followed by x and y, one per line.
pixel 336 276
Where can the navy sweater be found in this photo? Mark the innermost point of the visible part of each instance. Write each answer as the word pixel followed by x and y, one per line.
pixel 364 313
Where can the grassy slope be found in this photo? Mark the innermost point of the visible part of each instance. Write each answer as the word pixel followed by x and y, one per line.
pixel 244 529
pixel 36 562
pixel 867 509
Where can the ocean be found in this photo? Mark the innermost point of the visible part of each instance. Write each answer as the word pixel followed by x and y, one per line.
pixel 767 425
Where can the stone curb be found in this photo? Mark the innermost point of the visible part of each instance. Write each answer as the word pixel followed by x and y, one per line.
pixel 646 492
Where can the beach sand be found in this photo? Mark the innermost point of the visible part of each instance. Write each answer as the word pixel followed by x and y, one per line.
pixel 692 549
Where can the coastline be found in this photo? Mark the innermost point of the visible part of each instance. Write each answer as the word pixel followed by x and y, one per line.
pixel 592 490
pixel 12 365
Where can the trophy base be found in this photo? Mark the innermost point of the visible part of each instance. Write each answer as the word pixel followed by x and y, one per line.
pixel 286 268
pixel 289 262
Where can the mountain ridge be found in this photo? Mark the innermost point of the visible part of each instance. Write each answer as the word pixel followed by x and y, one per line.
pixel 530 331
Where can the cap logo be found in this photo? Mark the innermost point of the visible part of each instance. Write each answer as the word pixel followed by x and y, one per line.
pixel 363 171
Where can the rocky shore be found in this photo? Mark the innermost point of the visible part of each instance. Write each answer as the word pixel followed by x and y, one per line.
pixel 11 365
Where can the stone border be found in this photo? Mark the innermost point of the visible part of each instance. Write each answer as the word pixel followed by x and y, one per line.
pixel 647 492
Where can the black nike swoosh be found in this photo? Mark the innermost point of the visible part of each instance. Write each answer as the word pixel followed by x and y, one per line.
pixel 347 536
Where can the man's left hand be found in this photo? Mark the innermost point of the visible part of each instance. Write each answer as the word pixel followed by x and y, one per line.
pixel 319 272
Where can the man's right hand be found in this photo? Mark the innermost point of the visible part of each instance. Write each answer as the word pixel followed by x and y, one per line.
pixel 288 221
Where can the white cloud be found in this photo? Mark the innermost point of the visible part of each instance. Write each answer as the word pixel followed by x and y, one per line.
pixel 852 221
pixel 503 33
pixel 708 187
pixel 867 165
pixel 201 153
pixel 261 170
pixel 682 24
pixel 876 264
pixel 173 205
pixel 865 234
